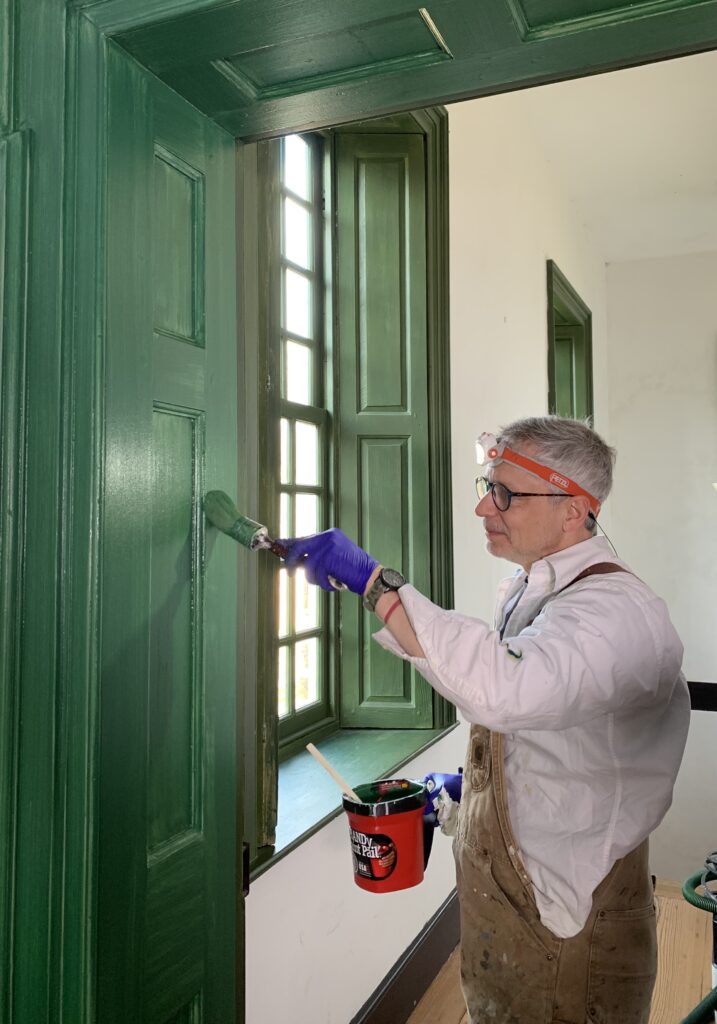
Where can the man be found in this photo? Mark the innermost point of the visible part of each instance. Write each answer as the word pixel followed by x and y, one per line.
pixel 579 719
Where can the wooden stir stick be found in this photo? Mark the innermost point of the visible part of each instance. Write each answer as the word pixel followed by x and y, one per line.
pixel 342 783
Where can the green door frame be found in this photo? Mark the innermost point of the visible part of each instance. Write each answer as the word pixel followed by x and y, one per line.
pixel 52 214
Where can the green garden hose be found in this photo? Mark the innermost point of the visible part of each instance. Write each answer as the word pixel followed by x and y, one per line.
pixel 689 891
pixel 706 1011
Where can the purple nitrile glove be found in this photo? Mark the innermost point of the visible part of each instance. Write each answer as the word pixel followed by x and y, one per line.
pixel 330 554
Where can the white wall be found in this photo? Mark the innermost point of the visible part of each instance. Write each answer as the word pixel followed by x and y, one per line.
pixel 507 217
pixel 317 946
pixel 662 318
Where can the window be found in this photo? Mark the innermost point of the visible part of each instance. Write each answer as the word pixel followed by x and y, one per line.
pixel 350 289
pixel 301 629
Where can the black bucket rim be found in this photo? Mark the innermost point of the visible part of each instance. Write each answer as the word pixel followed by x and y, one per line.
pixel 414 799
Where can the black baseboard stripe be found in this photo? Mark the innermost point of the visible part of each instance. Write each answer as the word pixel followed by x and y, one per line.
pixel 395 999
pixel 703 696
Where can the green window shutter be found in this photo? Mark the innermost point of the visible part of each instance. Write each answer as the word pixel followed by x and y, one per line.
pixel 383 437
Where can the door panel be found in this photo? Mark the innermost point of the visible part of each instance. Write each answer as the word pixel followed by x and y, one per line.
pixel 572 385
pixel 169 884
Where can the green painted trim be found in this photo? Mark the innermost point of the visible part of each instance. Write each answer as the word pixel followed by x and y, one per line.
pixel 126 499
pixel 294 87
pixel 600 19
pixel 74 917
pixel 434 122
pixel 249 401
pixel 7 63
pixel 571 56
pixel 267 441
pixel 313 732
pixel 162 41
pixel 490 55
pixel 14 212
pixel 113 16
pixel 565 301
pixel 38 86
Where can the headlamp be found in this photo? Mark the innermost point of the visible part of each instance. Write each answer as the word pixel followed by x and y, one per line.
pixel 490 450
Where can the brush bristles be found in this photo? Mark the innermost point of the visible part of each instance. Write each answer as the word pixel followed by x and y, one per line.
pixel 223 513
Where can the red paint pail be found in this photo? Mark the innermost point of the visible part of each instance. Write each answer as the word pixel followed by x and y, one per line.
pixel 386 830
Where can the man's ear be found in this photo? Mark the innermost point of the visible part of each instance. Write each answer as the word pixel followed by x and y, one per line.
pixel 578 514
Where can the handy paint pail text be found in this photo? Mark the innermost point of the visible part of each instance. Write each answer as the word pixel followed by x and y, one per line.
pixel 387 834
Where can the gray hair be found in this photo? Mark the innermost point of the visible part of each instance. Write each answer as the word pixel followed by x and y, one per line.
pixel 570 446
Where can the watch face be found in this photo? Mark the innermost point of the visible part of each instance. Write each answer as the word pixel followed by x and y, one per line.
pixel 392 578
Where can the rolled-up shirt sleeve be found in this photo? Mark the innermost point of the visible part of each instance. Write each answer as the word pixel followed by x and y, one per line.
pixel 596 650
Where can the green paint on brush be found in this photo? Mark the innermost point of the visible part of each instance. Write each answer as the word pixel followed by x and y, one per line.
pixel 223 513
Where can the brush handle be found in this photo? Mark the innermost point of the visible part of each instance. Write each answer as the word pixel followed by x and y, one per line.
pixel 342 783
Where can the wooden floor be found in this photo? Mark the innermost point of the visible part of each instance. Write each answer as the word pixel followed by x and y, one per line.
pixel 684 973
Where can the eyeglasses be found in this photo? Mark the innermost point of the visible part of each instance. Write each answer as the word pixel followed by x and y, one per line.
pixel 502 495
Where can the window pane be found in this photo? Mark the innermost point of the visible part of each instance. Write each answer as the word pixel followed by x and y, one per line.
pixel 284 520
pixel 283 602
pixel 296 233
pixel 307 514
pixel 296 165
pixel 298 373
pixel 306 687
pixel 307 453
pixel 284 429
pixel 283 683
pixel 297 303
pixel 306 608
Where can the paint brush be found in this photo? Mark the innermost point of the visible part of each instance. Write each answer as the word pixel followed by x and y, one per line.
pixel 221 511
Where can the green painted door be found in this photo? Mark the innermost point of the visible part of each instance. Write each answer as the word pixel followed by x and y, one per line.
pixel 169 902
pixel 572 385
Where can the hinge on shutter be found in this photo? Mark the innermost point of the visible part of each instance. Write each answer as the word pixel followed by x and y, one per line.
pixel 245 868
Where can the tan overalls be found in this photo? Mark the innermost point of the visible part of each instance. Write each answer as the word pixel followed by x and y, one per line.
pixel 513 969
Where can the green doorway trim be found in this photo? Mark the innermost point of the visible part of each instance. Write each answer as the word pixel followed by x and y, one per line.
pixel 53 90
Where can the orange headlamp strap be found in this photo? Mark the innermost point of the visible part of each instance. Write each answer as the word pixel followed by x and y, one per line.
pixel 544 472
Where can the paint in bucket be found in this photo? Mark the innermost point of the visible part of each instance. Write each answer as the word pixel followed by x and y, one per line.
pixel 387 834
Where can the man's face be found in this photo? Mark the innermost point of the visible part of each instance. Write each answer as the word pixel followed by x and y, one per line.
pixel 532 527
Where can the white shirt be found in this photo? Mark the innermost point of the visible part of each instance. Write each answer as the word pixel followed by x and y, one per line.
pixel 587 689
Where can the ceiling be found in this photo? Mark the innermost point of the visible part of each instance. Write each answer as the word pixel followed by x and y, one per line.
pixel 636 150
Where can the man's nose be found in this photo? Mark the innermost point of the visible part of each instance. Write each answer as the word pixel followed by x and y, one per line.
pixel 486 506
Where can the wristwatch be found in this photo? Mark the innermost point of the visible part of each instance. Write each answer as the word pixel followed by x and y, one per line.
pixel 387 579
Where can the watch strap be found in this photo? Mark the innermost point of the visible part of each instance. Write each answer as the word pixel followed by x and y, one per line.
pixel 377 588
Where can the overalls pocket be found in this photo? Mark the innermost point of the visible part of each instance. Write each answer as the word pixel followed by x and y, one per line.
pixel 525 921
pixel 623 964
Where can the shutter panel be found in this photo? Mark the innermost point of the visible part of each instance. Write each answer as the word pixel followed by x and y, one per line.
pixel 383 405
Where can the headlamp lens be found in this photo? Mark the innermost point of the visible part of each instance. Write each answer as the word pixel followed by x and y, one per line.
pixel 486 449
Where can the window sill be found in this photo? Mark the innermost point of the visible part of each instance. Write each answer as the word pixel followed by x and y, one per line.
pixel 308 796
